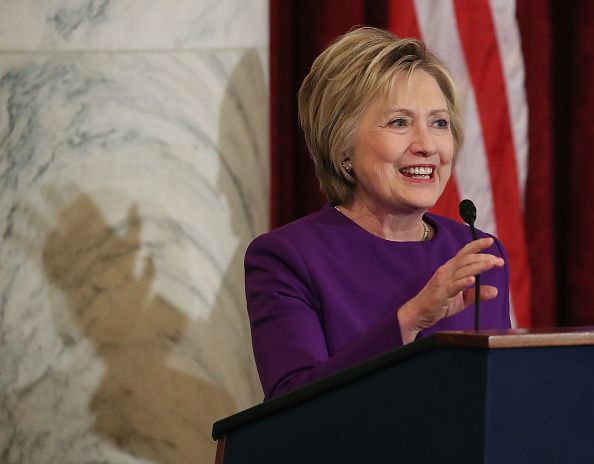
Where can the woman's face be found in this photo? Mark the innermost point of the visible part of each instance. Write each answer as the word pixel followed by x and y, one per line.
pixel 404 147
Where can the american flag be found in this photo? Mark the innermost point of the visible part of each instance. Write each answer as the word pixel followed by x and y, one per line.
pixel 492 165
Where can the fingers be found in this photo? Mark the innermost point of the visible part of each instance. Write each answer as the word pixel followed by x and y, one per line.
pixel 476 246
pixel 488 292
pixel 459 274
pixel 448 290
pixel 476 265
pixel 469 261
pixel 464 277
pixel 466 259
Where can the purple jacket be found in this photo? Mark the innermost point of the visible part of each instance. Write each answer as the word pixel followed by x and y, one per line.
pixel 322 294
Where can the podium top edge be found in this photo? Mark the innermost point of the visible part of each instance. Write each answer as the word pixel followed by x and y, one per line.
pixel 516 338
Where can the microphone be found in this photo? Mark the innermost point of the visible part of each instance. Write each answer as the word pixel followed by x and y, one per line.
pixel 468 215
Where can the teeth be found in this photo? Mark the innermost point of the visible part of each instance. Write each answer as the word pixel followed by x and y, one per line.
pixel 419 170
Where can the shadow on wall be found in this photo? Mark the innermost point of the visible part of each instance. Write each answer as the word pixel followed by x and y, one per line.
pixel 142 405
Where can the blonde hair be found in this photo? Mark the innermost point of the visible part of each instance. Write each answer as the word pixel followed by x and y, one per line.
pixel 344 79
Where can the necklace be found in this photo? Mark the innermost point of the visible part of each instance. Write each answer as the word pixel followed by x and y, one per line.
pixel 425 236
pixel 425 231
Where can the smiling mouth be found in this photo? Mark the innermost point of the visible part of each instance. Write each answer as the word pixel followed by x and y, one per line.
pixel 418 172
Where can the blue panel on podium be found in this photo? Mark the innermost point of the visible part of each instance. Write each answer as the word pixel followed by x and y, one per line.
pixel 540 405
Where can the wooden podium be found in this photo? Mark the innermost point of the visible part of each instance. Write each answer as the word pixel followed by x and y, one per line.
pixel 455 397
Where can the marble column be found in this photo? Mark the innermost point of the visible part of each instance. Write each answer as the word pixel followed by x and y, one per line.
pixel 133 173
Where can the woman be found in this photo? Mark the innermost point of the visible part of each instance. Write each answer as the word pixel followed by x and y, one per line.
pixel 372 270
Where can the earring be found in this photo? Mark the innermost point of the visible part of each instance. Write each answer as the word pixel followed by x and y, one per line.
pixel 347 165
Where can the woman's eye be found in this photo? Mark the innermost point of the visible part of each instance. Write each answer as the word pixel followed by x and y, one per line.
pixel 398 122
pixel 441 124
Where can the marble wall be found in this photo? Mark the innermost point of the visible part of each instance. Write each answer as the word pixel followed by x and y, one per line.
pixel 133 174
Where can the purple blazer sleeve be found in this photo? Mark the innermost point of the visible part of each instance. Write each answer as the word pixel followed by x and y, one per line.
pixel 505 314
pixel 284 307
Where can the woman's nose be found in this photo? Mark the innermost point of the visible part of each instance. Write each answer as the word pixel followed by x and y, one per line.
pixel 422 143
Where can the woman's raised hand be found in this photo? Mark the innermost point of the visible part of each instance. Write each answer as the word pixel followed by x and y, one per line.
pixel 447 292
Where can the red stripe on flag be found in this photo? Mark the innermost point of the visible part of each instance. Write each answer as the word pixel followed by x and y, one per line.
pixel 477 34
pixel 447 205
pixel 402 18
pixel 402 21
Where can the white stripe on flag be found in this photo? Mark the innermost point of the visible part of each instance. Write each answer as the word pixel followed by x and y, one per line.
pixel 508 38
